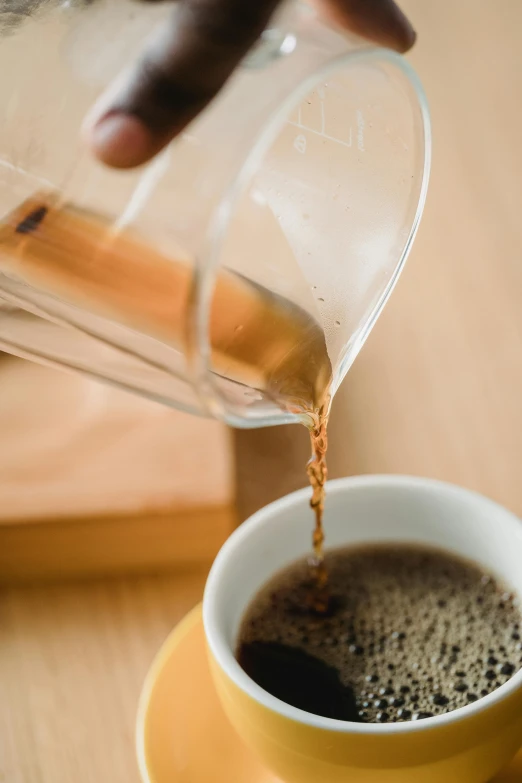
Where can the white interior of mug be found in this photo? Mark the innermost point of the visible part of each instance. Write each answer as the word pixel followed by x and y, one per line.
pixel 358 510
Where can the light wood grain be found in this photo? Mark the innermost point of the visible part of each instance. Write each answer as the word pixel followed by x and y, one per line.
pixel 72 661
pixel 437 390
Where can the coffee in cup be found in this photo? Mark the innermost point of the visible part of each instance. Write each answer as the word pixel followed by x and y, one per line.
pixel 411 632
pixel 369 518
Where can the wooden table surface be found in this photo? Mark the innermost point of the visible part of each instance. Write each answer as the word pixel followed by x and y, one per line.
pixel 437 391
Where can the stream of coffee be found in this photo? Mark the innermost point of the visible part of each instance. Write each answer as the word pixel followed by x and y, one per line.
pixel 318 474
pixel 258 339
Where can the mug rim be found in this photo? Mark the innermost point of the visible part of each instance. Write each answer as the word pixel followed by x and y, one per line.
pixel 224 654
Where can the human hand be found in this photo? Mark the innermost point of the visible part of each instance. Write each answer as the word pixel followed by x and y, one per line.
pixel 196 53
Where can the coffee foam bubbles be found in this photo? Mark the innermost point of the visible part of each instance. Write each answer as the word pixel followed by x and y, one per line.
pixel 415 633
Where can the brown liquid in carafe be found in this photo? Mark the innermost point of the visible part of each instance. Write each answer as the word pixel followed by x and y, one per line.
pixel 258 339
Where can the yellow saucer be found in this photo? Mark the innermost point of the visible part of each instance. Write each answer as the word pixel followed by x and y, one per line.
pixel 183 735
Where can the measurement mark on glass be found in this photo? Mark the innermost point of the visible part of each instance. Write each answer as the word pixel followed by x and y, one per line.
pixel 322 135
pixel 300 141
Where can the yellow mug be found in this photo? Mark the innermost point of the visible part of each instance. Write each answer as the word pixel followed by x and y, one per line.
pixel 467 745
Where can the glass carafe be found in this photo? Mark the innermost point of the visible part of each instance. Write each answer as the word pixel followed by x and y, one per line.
pixel 240 271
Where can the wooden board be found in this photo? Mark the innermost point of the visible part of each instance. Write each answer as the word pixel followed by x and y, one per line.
pixel 95 481
pixel 94 546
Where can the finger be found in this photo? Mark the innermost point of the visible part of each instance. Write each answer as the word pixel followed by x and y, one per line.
pixel 381 21
pixel 176 78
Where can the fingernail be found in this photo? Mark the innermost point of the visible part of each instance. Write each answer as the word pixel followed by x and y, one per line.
pixel 121 140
